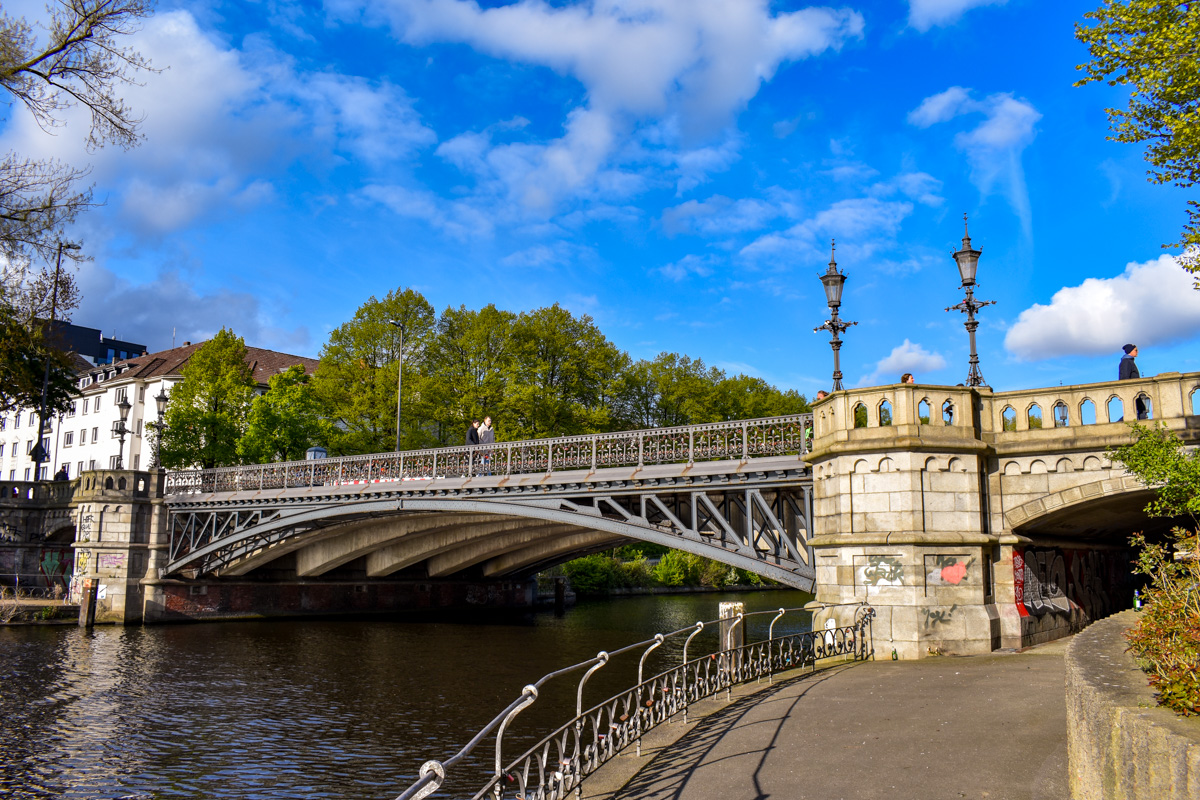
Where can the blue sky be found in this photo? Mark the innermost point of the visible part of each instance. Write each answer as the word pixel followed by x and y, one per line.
pixel 674 168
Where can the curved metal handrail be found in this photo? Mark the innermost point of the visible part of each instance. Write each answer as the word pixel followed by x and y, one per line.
pixel 736 439
pixel 622 719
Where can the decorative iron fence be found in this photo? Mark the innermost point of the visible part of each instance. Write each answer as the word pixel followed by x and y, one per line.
pixel 558 764
pixel 741 439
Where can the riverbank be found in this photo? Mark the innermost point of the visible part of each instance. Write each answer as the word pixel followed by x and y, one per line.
pixel 989 726
pixel 37 611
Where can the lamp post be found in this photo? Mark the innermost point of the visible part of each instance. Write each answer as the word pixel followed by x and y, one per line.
pixel 160 400
pixel 399 378
pixel 968 262
pixel 120 429
pixel 833 282
pixel 39 453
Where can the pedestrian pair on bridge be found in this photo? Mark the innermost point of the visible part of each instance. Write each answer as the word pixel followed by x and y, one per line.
pixel 482 433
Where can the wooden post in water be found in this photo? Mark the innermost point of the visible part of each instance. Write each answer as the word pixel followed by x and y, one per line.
pixel 87 603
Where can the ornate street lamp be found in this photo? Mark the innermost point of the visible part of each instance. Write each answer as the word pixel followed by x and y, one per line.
pixel 160 400
pixel 39 454
pixel 399 378
pixel 833 282
pixel 968 262
pixel 120 429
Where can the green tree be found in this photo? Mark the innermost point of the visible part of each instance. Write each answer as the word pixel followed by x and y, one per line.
pixel 467 373
pixel 1153 47
pixel 356 380
pixel 284 421
pixel 207 413
pixel 559 378
pixel 24 352
pixel 1166 639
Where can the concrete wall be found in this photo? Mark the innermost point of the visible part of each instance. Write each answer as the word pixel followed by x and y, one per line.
pixel 1120 744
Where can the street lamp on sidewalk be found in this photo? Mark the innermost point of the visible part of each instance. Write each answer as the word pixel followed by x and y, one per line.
pixel 967 260
pixel 160 400
pixel 833 282
pixel 120 429
pixel 399 378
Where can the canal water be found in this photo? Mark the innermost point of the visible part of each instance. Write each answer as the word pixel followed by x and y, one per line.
pixel 311 709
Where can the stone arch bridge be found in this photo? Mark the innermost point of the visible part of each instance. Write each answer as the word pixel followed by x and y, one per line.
pixel 970 519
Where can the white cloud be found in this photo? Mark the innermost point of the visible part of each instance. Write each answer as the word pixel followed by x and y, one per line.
pixel 700 266
pixel 150 312
pixel 993 147
pixel 862 226
pixel 692 63
pixel 1148 304
pixel 905 357
pixel 220 123
pixel 456 219
pixel 924 14
pixel 718 216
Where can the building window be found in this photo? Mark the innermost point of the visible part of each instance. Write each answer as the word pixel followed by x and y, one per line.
pixel 139 427
pixel 68 438
pixel 1 449
pixel 17 422
pixel 96 407
pixel 142 395
pixel 3 422
pixel 112 462
pixel 122 396
pixel 80 471
pixel 85 406
pixel 29 447
pixel 92 464
pixel 136 458
pixel 71 410
pixel 27 473
pixel 95 434
pixel 12 474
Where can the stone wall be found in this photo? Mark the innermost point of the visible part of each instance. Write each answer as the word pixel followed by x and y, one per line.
pixel 1120 744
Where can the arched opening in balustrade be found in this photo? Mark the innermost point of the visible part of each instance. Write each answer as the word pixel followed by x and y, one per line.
pixel 1196 401
pixel 923 411
pixel 1145 407
pixel 948 412
pixel 1008 419
pixel 885 413
pixel 1062 417
pixel 860 416
pixel 1034 415
pixel 1087 413
pixel 1116 409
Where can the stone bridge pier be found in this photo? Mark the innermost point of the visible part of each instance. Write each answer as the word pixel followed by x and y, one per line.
pixel 975 520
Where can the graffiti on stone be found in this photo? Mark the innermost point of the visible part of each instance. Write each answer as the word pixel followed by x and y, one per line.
pixel 938 616
pixel 9 532
pixel 85 528
pixel 111 561
pixel 948 570
pixel 55 567
pixel 1088 584
pixel 882 571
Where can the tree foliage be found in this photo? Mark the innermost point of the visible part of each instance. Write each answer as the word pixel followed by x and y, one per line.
pixel 209 407
pixel 1166 640
pixel 356 381
pixel 284 421
pixel 78 62
pixel 24 352
pixel 541 373
pixel 1153 47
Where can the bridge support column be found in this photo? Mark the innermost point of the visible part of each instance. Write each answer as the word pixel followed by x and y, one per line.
pixel 113 511
pixel 900 523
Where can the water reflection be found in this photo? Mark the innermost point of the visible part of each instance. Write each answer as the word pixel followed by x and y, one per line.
pixel 305 709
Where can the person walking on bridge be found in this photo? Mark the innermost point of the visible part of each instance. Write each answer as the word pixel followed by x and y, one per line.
pixel 473 433
pixel 1128 370
pixel 486 436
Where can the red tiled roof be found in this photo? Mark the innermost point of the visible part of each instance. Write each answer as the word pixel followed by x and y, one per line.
pixel 263 363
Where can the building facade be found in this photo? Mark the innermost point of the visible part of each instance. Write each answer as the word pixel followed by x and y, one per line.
pixel 85 438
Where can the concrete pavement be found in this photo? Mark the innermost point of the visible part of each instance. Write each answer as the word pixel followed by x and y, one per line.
pixel 989 726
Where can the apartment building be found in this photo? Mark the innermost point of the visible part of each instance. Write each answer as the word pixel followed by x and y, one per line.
pixel 85 437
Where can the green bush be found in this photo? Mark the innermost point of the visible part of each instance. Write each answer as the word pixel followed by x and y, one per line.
pixel 1166 640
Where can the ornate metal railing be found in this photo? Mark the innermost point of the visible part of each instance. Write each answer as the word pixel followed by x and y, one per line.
pixel 741 439
pixel 558 764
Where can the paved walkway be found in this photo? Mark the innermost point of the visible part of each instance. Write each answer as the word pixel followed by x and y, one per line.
pixel 980 727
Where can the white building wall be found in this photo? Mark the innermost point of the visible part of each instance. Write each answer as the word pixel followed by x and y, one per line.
pixel 92 443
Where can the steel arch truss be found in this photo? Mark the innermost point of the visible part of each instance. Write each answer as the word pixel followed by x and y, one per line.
pixel 761 529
